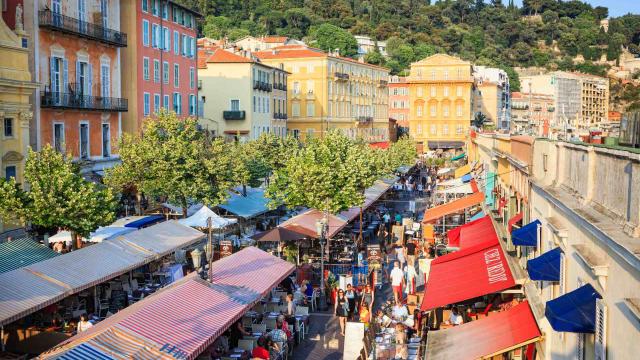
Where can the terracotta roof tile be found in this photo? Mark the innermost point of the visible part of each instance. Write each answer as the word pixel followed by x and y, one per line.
pixel 288 54
pixel 222 56
pixel 275 39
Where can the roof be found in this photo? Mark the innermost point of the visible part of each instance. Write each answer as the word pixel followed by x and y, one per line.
pixel 194 12
pixel 492 335
pixel 474 271
pixel 473 233
pixel 247 206
pixel 435 213
pixel 28 289
pixel 275 39
pixel 223 56
pixel 302 51
pixel 182 320
pixel 202 216
pixel 22 252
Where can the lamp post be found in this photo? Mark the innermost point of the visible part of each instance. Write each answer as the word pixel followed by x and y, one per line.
pixel 321 230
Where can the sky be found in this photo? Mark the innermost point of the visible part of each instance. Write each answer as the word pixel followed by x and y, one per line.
pixel 616 7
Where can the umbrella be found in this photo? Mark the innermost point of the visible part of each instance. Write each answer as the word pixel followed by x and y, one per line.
pixel 278 234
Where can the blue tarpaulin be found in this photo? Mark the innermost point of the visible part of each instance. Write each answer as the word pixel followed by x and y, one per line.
pixel 526 235
pixel 145 221
pixel 248 206
pixel 545 267
pixel 466 178
pixel 23 252
pixel 489 198
pixel 477 216
pixel 575 311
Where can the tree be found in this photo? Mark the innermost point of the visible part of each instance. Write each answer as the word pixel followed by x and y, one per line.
pixel 479 120
pixel 330 37
pixel 329 173
pixel 173 160
pixel 374 57
pixel 57 196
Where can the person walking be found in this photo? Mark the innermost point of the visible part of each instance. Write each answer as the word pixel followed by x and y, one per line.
pixel 341 309
pixel 350 294
pixel 397 280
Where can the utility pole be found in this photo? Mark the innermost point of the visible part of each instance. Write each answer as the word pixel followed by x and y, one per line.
pixel 210 240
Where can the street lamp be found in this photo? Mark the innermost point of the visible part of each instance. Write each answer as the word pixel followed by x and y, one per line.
pixel 321 230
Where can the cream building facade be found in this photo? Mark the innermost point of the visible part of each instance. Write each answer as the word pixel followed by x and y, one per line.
pixel 492 95
pixel 241 98
pixel 331 92
pixel 440 99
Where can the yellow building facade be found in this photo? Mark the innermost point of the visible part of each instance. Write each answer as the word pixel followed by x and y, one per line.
pixel 15 110
pixel 440 99
pixel 330 92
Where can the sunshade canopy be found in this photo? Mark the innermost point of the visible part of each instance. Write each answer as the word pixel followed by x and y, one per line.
pixel 473 233
pixel 108 232
pixel 145 221
pixel 545 267
pixel 517 217
pixel 22 252
pixel 461 171
pixel 248 206
pixel 488 188
pixel 526 235
pixel 466 177
pixel 465 274
pixel 182 320
pixel 458 157
pixel 435 213
pixel 574 311
pixel 201 218
pixel 279 234
pixel 492 335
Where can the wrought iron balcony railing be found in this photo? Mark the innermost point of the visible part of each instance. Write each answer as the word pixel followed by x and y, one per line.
pixel 70 100
pixel 365 119
pixel 341 76
pixel 58 22
pixel 234 114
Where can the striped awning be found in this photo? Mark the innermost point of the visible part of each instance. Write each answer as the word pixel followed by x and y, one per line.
pixel 182 320
pixel 22 252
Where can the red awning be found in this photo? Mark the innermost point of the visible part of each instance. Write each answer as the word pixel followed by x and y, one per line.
pixel 474 185
pixel 476 232
pixel 514 220
pixel 485 338
pixel 380 145
pixel 475 271
pixel 435 213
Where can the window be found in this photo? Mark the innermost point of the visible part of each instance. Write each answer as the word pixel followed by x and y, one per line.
pixel 156 7
pixel 165 72
pixel 105 78
pixel 419 129
pixel 176 43
pixel 445 129
pixel 446 91
pixel 254 103
pixel 419 110
pixel 432 110
pixel 145 5
pixel 445 74
pixel 8 127
pixel 156 102
pixel 235 105
pixel 192 78
pixel 9 172
pixel 58 137
pixel 459 129
pixel 311 109
pixel 176 75
pixel 419 91
pixel 106 140
pixel 434 129
pixel 295 109
pixel 192 104
pixel 156 70
pixel 296 87
pixel 84 141
pixel 433 91
pixel 433 74
pixel 445 110
pixel 185 44
pixel 165 10
pixel 145 68
pixel 165 103
pixel 459 91
pixel 145 33
pixel 310 132
pixel 459 110
pixel 177 103
pixel 147 101
pixel 166 39
pixel 155 34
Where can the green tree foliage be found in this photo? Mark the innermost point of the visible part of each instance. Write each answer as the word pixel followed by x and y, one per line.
pixel 330 37
pixel 57 197
pixel 173 160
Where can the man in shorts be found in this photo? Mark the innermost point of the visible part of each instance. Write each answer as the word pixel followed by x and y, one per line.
pixel 397 281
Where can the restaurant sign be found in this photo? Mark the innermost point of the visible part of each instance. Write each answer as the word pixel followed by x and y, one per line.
pixel 226 248
pixel 374 254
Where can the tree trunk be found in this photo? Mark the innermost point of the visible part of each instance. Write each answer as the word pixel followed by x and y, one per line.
pixel 75 243
pixel 244 190
pixel 183 202
pixel 138 206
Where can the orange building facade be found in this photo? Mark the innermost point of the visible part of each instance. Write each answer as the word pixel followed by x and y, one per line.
pixel 399 100
pixel 160 62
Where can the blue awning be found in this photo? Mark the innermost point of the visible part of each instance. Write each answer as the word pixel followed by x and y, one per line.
pixel 145 221
pixel 466 178
pixel 545 267
pixel 84 351
pixel 575 311
pixel 477 216
pixel 458 157
pixel 526 235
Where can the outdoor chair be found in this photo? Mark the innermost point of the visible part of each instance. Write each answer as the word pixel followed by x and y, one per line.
pixel 259 328
pixel 270 324
pixel 246 345
pixel 302 310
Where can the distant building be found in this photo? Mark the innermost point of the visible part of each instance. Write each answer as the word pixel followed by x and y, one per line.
pixel 367 45
pixel 492 95
pixel 399 100
pixel 531 113
pixel 581 101
pixel 440 95
pixel 241 98
pixel 260 43
pixel 328 91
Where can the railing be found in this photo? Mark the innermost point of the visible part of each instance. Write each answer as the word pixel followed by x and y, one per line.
pixel 60 100
pixel 341 76
pixel 383 83
pixel 365 119
pixel 281 116
pixel 234 114
pixel 261 85
pixel 69 25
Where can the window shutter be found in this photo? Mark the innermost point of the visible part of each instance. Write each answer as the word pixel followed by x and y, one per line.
pixel 580 347
pixel 90 74
pixel 562 274
pixel 65 76
pixel 601 330
pixel 78 88
pixel 52 78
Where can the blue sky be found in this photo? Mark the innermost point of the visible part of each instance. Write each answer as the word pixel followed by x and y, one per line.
pixel 616 7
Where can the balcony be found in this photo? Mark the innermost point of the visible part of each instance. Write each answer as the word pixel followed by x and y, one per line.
pixel 78 101
pixel 365 119
pixel 280 116
pixel 234 114
pixel 68 25
pixel 341 76
pixel 383 83
pixel 261 85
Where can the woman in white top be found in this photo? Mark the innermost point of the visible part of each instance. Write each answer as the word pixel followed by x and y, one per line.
pixel 84 324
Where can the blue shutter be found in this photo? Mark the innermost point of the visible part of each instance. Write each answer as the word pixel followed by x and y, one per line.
pixel 52 78
pixel 90 75
pixel 78 88
pixel 65 76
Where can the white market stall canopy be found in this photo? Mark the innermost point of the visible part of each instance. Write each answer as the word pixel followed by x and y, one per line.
pixel 191 209
pixel 33 287
pixel 200 218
